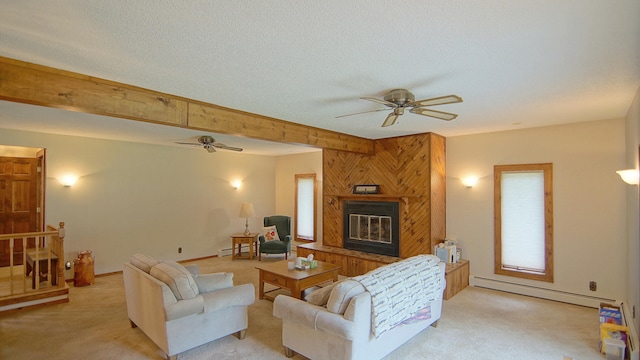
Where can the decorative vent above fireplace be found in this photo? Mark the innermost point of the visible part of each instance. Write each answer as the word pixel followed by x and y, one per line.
pixel 372 226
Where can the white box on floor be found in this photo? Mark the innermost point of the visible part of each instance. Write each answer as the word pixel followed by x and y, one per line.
pixel 615 348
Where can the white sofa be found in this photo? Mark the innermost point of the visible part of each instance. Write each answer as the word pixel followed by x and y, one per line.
pixel 179 309
pixel 359 318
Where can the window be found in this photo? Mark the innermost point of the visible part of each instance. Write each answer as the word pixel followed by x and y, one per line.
pixel 304 225
pixel 523 206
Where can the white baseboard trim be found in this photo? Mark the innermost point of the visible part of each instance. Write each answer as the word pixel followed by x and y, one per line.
pixel 549 294
pixel 33 302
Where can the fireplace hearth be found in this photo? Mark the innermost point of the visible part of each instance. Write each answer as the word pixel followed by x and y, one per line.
pixel 372 227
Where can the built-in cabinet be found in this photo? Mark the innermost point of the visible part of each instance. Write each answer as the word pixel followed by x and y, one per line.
pixel 457 276
pixel 352 263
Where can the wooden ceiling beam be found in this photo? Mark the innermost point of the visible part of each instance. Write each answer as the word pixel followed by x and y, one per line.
pixel 45 86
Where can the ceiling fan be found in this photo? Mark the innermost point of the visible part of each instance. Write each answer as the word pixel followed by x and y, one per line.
pixel 400 99
pixel 210 144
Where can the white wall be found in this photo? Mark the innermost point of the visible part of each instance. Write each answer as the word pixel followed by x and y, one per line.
pixel 590 238
pixel 286 169
pixel 148 198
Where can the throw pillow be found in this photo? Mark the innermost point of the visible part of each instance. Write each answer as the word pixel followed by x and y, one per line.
pixel 321 296
pixel 270 233
pixel 179 279
pixel 342 294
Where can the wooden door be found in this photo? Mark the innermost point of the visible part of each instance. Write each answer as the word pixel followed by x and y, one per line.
pixel 18 202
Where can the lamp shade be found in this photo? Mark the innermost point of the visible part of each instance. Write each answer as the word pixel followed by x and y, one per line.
pixel 246 210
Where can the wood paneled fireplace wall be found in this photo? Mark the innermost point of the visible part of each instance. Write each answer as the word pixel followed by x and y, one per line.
pixel 409 169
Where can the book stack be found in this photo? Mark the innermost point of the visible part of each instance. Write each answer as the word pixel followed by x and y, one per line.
pixel 613 333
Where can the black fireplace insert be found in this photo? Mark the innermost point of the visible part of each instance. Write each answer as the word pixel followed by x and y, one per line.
pixel 372 226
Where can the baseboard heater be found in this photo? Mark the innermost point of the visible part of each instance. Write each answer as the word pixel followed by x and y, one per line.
pixel 245 249
pixel 227 251
pixel 529 290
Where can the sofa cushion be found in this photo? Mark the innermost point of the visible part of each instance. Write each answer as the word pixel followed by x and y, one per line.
pixel 241 295
pixel 320 297
pixel 143 262
pixel 342 294
pixel 184 308
pixel 211 282
pixel 179 279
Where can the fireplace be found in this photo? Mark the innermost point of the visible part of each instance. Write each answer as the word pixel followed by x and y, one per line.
pixel 372 226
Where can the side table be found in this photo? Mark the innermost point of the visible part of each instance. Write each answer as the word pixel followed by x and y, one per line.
pixel 238 239
pixel 457 275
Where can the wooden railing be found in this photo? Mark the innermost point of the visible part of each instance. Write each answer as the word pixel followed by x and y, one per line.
pixel 40 251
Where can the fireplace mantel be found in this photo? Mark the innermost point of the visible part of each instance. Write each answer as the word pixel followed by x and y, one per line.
pixel 374 196
pixel 404 199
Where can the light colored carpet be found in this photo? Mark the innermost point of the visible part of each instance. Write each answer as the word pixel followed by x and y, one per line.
pixel 476 324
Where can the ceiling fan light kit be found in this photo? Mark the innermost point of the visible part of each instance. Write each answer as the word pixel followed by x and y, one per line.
pixel 399 99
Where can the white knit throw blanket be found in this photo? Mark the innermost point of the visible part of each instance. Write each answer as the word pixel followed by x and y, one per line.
pixel 399 290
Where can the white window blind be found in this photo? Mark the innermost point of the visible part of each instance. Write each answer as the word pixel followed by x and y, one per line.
pixel 304 217
pixel 523 220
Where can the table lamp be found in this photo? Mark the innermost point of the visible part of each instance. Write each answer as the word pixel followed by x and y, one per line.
pixel 246 211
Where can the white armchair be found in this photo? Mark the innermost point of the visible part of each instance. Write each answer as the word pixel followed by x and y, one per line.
pixel 179 309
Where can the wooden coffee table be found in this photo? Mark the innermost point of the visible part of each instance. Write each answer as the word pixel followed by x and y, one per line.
pixel 278 274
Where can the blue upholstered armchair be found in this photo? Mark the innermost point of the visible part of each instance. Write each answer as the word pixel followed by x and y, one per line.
pixel 282 246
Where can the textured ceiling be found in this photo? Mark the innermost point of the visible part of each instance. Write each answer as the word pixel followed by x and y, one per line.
pixel 516 64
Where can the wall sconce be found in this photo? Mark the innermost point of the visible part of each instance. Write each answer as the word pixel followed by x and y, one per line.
pixel 630 176
pixel 68 180
pixel 469 181
pixel 236 184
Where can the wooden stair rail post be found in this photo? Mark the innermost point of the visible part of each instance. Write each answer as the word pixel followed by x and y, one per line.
pixel 60 250
pixel 36 263
pixel 10 266
pixel 24 263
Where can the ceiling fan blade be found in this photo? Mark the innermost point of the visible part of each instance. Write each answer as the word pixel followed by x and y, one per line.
pixel 358 113
pixel 380 101
pixel 210 148
pixel 390 120
pixel 225 147
pixel 449 99
pixel 187 143
pixel 433 113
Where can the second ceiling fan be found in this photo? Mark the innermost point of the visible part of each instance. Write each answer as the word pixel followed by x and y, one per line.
pixel 210 144
pixel 400 99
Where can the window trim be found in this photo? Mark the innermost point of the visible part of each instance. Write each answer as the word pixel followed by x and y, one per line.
pixel 315 208
pixel 547 169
